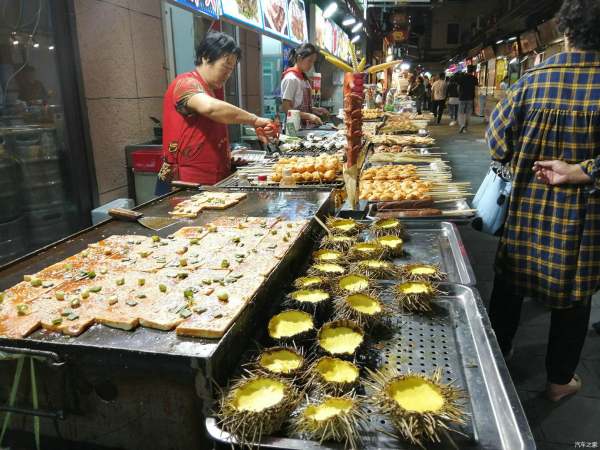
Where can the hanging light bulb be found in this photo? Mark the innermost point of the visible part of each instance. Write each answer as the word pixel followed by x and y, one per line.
pixel 332 8
pixel 51 47
pixel 14 39
pixel 349 21
pixel 355 38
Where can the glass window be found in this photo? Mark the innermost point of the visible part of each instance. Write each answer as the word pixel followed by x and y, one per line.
pixel 45 191
pixel 272 60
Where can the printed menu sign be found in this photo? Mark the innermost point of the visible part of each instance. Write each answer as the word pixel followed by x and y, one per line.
pixel 297 25
pixel 275 16
pixel 208 7
pixel 245 11
pixel 331 37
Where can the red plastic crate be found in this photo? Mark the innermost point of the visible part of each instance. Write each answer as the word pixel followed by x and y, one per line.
pixel 146 160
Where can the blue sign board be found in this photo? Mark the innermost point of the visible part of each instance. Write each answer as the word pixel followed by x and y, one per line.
pixel 207 7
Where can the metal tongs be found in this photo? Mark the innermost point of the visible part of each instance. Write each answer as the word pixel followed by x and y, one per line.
pixel 268 137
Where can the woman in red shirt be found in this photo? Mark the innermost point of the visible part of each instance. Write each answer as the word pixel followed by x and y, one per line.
pixel 195 116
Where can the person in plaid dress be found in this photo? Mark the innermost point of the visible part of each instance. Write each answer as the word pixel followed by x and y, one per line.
pixel 548 129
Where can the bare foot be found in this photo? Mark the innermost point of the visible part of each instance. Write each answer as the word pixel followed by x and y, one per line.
pixel 556 392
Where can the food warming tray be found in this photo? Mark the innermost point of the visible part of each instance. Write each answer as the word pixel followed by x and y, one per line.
pixel 461 211
pixel 434 242
pixel 459 340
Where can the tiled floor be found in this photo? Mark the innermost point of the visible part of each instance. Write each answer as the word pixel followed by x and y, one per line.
pixel 555 426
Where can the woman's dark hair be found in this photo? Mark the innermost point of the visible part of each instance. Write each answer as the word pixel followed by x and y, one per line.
pixel 579 20
pixel 216 45
pixel 304 51
pixel 442 76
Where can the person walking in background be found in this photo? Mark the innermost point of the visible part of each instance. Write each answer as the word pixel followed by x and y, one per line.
pixel 427 99
pixel 466 95
pixel 412 82
pixel 452 93
pixel 403 83
pixel 548 129
pixel 438 92
pixel 417 92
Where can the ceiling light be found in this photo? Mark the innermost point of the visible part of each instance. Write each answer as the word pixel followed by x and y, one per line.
pixel 405 66
pixel 511 39
pixel 355 38
pixel 349 21
pixel 332 8
pixel 34 43
pixel 500 42
pixel 51 47
pixel 14 39
pixel 357 27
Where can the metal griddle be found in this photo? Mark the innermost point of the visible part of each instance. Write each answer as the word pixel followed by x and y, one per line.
pixel 149 343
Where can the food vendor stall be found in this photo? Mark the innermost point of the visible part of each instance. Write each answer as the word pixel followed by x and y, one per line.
pixel 157 374
pixel 201 320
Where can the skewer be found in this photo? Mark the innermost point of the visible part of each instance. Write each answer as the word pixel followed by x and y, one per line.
pixel 459 196
pixel 320 222
pixel 458 212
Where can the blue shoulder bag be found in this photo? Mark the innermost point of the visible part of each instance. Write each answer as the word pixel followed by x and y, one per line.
pixel 491 200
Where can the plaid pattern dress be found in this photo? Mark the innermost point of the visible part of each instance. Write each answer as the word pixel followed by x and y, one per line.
pixel 550 248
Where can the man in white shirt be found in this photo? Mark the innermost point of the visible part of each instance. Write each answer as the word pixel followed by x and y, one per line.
pixel 403 83
pixel 438 92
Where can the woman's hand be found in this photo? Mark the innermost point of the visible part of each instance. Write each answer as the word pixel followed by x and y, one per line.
pixel 321 111
pixel 261 122
pixel 265 128
pixel 559 172
pixel 238 162
pixel 312 118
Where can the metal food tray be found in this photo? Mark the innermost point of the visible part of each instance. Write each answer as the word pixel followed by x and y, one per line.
pixel 456 205
pixel 458 339
pixel 254 156
pixel 444 165
pixel 434 242
pixel 423 151
pixel 322 130
pixel 232 182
